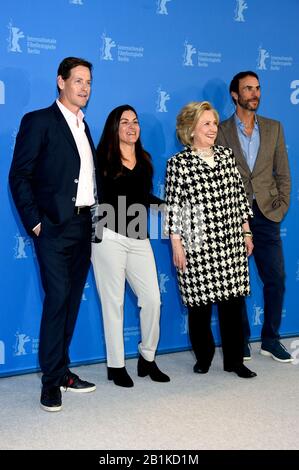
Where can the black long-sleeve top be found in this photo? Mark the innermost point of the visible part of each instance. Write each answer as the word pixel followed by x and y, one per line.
pixel 130 196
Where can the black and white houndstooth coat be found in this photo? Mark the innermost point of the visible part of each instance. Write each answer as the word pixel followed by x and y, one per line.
pixel 207 206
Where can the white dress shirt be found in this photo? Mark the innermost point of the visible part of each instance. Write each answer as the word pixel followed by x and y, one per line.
pixel 85 191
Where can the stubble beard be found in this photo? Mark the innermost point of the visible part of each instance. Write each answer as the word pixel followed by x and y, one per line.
pixel 247 105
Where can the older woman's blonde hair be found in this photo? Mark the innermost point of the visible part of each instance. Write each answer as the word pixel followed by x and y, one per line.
pixel 188 117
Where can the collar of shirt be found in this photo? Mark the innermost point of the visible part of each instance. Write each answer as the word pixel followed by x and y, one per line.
pixel 241 125
pixel 70 117
pixel 249 143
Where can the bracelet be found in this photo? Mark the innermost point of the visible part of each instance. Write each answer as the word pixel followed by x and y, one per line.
pixel 248 234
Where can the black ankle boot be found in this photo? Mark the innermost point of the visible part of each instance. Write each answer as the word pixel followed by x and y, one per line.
pixel 145 368
pixel 241 371
pixel 120 376
pixel 199 369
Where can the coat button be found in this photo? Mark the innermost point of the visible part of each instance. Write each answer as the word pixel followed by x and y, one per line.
pixel 76 181
pixel 73 199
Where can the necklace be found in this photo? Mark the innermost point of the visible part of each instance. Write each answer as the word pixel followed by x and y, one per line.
pixel 204 153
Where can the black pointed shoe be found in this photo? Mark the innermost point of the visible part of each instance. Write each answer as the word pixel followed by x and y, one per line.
pixel 200 370
pixel 150 368
pixel 242 371
pixel 120 376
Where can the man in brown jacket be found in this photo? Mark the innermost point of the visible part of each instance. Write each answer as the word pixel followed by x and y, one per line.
pixel 260 152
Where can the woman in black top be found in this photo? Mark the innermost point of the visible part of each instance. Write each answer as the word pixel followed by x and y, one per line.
pixel 121 249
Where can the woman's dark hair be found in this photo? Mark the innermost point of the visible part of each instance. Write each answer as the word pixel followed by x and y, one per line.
pixel 108 151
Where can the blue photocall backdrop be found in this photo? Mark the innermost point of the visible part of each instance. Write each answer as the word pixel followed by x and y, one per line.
pixel 156 55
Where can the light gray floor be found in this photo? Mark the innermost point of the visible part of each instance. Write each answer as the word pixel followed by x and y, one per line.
pixel 213 411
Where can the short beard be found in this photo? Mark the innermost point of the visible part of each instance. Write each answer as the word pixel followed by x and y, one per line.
pixel 246 105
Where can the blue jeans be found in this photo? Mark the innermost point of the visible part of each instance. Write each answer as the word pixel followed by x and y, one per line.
pixel 269 261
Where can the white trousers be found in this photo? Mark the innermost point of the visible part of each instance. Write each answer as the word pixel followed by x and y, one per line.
pixel 115 260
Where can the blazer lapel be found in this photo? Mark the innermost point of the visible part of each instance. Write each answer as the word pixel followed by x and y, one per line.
pixel 63 125
pixel 87 132
pixel 233 140
pixel 264 132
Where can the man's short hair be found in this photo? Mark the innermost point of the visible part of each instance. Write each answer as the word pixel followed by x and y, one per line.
pixel 65 67
pixel 234 84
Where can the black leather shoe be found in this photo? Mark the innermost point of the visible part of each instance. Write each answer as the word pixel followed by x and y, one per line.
pixel 150 368
pixel 120 376
pixel 242 371
pixel 50 399
pixel 200 370
pixel 73 383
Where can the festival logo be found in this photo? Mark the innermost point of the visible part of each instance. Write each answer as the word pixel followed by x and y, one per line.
pixel 161 7
pixel 33 44
pixel 163 278
pixel 263 55
pixel 189 51
pixel 15 35
pixel 204 58
pixel 267 61
pixel 107 45
pixel 20 246
pixel 21 340
pixel 241 6
pixel 258 313
pixel 163 97
pixel 123 53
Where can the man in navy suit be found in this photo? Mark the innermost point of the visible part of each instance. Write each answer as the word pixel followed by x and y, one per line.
pixel 53 183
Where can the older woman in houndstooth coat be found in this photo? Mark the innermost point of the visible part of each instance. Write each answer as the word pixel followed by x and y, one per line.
pixel 207 218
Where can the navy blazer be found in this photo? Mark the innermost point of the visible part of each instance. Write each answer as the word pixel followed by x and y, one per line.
pixel 45 170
